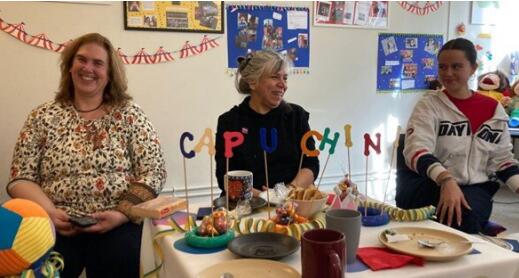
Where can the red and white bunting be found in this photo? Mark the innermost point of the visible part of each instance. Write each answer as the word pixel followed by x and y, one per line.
pixel 16 30
pixel 162 56
pixel 421 7
pixel 61 47
pixel 123 56
pixel 141 57
pixel 188 50
pixel 206 43
pixel 41 41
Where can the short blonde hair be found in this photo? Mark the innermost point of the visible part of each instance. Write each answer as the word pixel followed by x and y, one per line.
pixel 252 67
pixel 114 92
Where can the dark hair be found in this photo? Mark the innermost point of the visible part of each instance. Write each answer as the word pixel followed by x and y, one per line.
pixel 434 84
pixel 464 45
pixel 115 90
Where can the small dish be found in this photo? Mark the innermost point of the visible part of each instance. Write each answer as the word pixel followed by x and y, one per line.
pixel 309 208
pixel 194 240
pixel 373 217
pixel 272 246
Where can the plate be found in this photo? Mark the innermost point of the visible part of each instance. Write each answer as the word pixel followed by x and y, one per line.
pixel 455 247
pixel 249 268
pixel 255 202
pixel 274 199
pixel 263 245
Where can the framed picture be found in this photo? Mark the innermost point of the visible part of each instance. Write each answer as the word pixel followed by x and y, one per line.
pixel 174 16
pixel 356 14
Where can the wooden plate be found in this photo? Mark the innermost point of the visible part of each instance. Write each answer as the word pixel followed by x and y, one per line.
pixel 249 268
pixel 454 247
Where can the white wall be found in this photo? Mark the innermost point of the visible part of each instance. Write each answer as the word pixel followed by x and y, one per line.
pixel 189 94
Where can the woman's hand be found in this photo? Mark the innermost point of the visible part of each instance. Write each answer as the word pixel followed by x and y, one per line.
pixel 256 192
pixel 60 219
pixel 451 200
pixel 106 221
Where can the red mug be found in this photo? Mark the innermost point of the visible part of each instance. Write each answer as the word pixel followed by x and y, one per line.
pixel 323 254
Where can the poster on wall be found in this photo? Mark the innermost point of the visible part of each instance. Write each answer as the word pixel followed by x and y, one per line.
pixel 174 16
pixel 360 14
pixel 283 29
pixel 407 61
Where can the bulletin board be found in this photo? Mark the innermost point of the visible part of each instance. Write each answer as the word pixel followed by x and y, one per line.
pixel 174 16
pixel 407 61
pixel 283 29
pixel 356 14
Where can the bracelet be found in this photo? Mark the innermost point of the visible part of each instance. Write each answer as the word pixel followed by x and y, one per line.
pixel 444 180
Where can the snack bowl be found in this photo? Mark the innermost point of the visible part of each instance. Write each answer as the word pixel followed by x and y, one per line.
pixel 373 217
pixel 198 241
pixel 308 208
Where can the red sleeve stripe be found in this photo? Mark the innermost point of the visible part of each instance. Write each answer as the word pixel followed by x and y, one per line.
pixel 505 165
pixel 416 156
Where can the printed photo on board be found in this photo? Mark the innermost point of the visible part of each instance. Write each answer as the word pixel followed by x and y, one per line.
pixel 406 55
pixel 411 43
pixel 389 45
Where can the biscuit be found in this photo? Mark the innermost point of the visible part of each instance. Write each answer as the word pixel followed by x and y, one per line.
pixel 309 193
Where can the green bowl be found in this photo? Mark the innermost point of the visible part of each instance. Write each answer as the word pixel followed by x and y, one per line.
pixel 194 240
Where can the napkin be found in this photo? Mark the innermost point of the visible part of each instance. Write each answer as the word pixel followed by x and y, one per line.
pixel 378 258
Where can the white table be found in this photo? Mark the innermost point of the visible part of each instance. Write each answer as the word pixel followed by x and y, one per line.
pixel 493 261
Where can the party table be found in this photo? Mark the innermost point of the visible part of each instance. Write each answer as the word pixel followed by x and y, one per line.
pixel 486 259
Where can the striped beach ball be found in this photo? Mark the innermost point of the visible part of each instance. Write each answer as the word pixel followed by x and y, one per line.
pixel 26 236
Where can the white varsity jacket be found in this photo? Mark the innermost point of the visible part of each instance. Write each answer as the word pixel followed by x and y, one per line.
pixel 439 137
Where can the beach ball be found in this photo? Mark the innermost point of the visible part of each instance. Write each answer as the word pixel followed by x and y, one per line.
pixel 27 236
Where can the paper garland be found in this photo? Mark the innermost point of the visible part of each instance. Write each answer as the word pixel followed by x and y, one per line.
pixel 421 8
pixel 404 215
pixel 141 57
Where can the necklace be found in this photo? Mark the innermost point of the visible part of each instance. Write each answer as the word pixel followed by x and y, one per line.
pixel 86 111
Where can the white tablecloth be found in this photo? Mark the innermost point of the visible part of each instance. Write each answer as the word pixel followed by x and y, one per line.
pixel 493 261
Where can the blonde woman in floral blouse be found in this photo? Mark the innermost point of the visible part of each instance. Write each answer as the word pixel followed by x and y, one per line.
pixel 90 152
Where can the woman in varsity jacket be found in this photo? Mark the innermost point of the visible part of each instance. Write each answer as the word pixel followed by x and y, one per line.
pixel 457 142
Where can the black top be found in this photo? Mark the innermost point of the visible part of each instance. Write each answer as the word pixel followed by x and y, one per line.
pixel 291 122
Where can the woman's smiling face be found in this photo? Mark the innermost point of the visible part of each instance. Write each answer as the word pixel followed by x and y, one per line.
pixel 89 70
pixel 454 70
pixel 270 89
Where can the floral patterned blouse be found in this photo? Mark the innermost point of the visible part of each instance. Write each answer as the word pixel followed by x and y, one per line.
pixel 85 166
